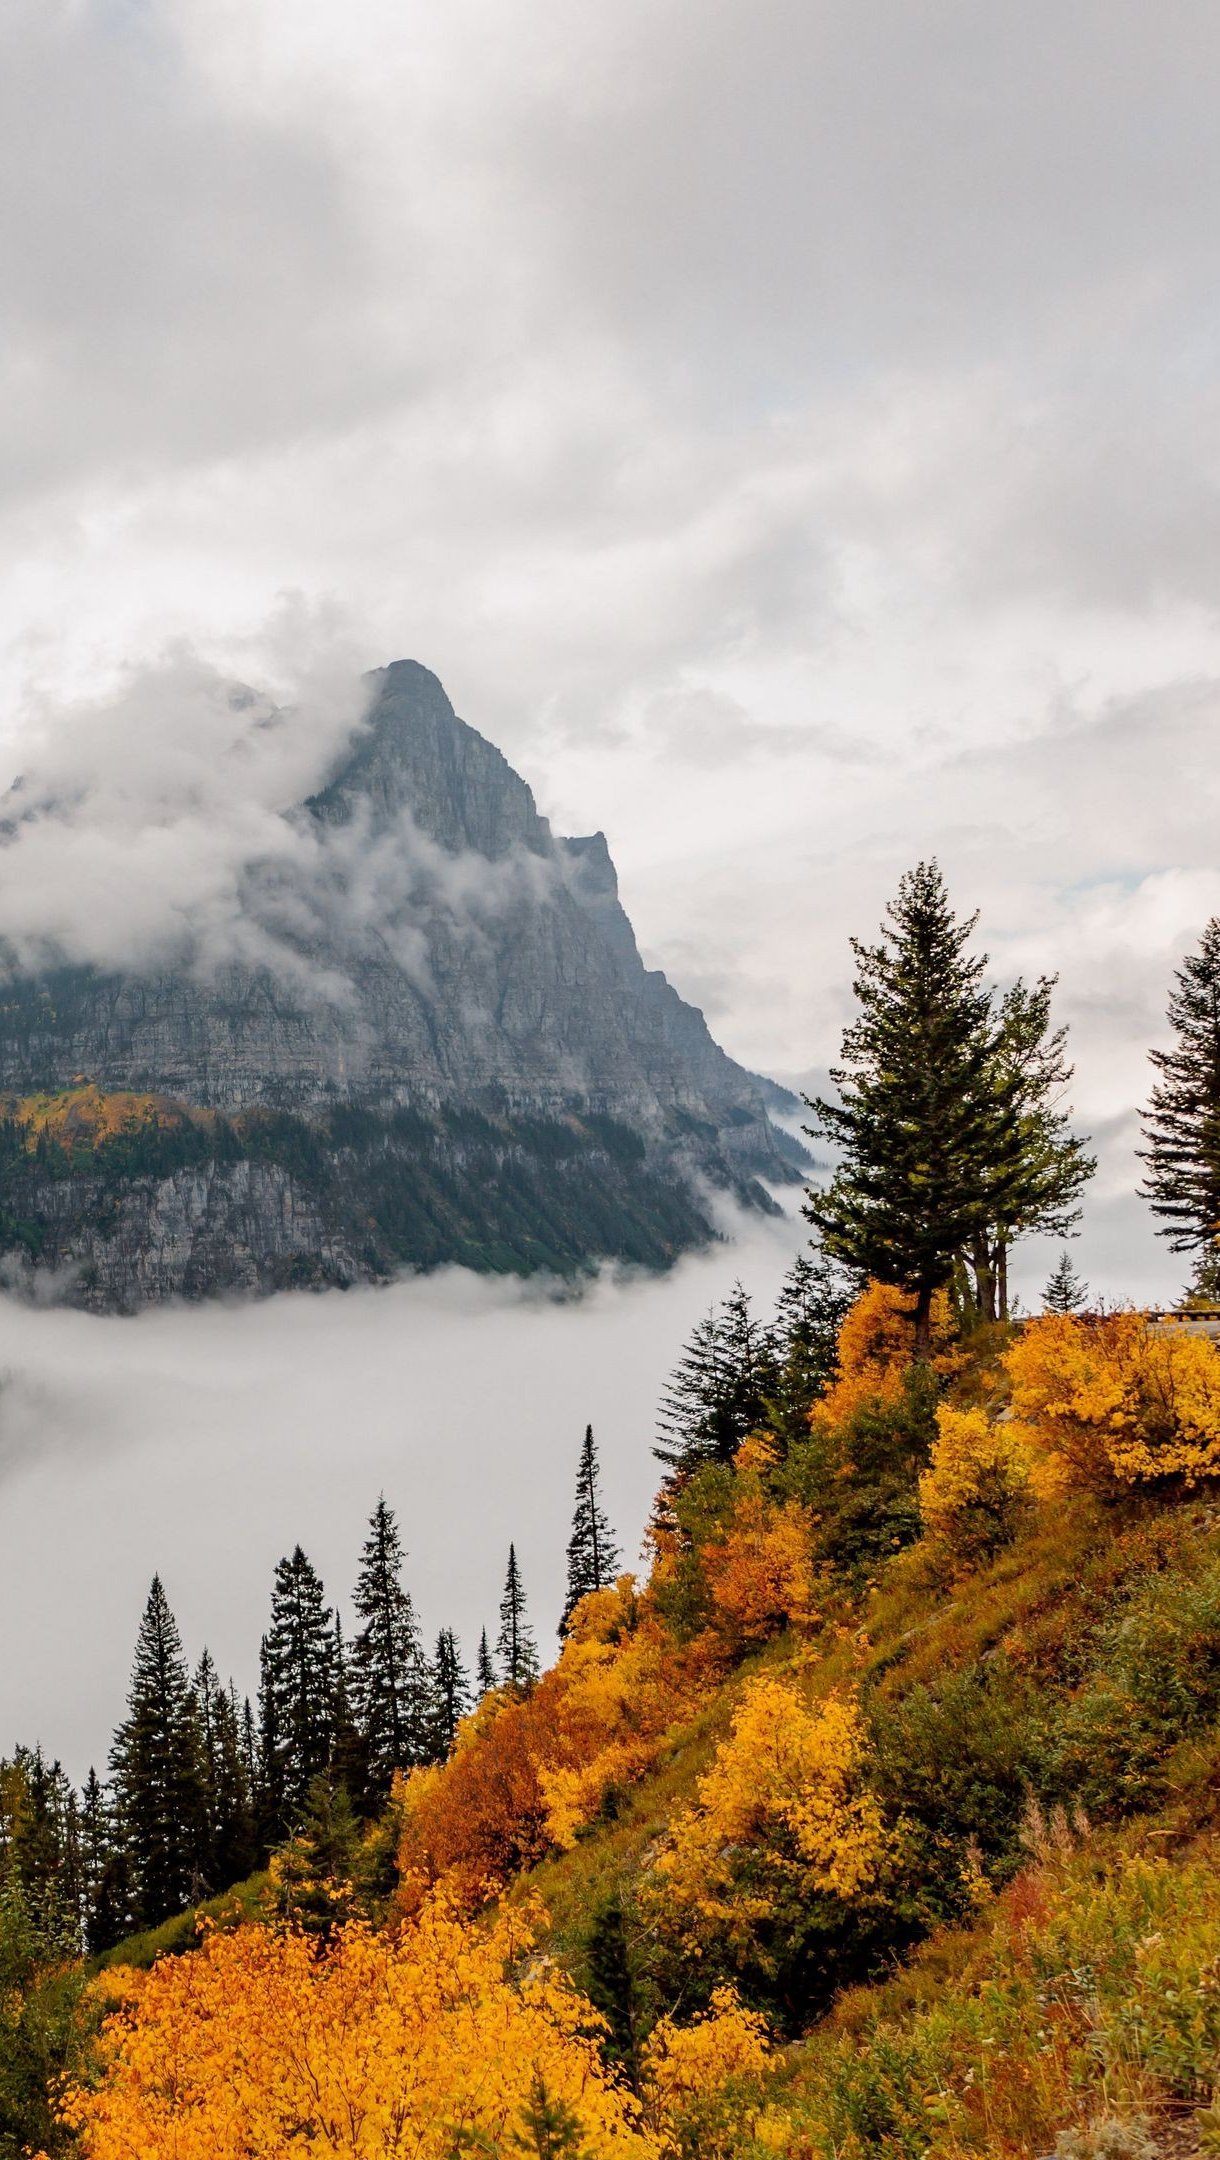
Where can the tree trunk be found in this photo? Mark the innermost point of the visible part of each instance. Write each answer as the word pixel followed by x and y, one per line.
pixel 981 1260
pixel 1001 1255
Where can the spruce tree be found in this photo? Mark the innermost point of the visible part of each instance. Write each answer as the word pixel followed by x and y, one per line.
pixel 388 1679
pixel 105 1898
pixel 297 1692
pixel 593 1555
pixel 1182 1121
pixel 157 1771
pixel 484 1671
pixel 1064 1292
pixel 450 1693
pixel 720 1388
pixel 927 1120
pixel 515 1646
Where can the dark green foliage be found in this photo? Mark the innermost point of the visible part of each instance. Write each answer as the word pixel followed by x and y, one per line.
pixel 43 2025
pixel 105 1880
pixel 861 1483
pixel 297 1692
pixel 450 1693
pixel 319 1872
pixel 549 2128
pixel 927 1121
pixel 157 1769
pixel 485 1670
pixel 720 1388
pixel 814 1300
pixel 1153 1680
pixel 956 1762
pixel 593 1555
pixel 391 1698
pixel 610 1981
pixel 1182 1122
pixel 1053 1165
pixel 515 1645
pixel 230 1848
pixel 1064 1292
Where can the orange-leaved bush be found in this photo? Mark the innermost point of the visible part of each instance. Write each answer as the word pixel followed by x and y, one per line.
pixel 786 1788
pixel 759 1565
pixel 427 2042
pixel 977 1485
pixel 1115 1402
pixel 877 1349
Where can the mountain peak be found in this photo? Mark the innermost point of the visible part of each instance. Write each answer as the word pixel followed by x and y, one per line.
pixel 412 754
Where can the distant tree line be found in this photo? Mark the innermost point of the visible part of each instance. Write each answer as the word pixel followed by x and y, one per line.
pixel 204 1785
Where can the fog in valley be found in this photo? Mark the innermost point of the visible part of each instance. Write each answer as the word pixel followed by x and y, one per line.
pixel 205 1441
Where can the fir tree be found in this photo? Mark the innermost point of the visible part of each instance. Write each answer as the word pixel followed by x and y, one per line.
pixel 1053 1165
pixel 1182 1122
pixel 1064 1292
pixel 391 1710
pixel 484 1671
pixel 297 1692
pixel 814 1300
pixel 157 1771
pixel 719 1390
pixel 450 1693
pixel 593 1555
pixel 515 1646
pixel 927 1122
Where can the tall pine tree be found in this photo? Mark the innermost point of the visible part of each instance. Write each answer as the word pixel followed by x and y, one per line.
pixel 1182 1121
pixel 515 1646
pixel 388 1680
pixel 814 1300
pixel 297 1691
pixel 593 1555
pixel 450 1693
pixel 157 1771
pixel 927 1120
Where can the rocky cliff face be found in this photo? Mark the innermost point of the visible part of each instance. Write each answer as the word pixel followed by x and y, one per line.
pixel 432 950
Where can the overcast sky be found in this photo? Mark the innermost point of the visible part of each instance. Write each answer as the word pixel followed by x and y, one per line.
pixel 788 428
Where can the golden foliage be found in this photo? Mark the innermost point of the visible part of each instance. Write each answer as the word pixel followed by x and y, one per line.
pixel 263 2044
pixel 85 1115
pixel 687 2066
pixel 760 1570
pixel 787 1784
pixel 1115 1402
pixel 876 1348
pixel 528 1775
pixel 978 1479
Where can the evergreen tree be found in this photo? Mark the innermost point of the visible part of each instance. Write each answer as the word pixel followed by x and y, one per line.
pixel 105 1894
pixel 515 1646
pixel 297 1692
pixel 450 1693
pixel 928 1118
pixel 390 1695
pixel 1182 1122
pixel 720 1388
pixel 1064 1292
pixel 157 1771
pixel 484 1671
pixel 1053 1165
pixel 317 1872
pixel 232 1849
pixel 593 1555
pixel 814 1300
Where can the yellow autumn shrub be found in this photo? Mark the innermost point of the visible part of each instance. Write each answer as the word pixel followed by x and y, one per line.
pixel 977 1484
pixel 876 1349
pixel 264 2044
pixel 788 1785
pixel 1114 1402
pixel 693 2077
